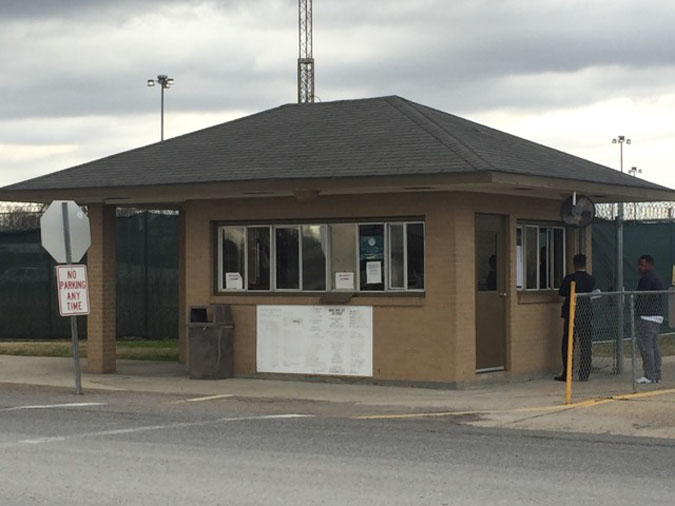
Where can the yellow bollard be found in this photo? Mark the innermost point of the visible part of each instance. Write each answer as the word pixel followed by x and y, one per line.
pixel 570 344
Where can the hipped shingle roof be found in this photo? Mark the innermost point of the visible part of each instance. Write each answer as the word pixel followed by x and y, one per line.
pixel 385 136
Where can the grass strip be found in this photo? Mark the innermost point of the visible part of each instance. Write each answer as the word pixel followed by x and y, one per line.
pixel 606 349
pixel 140 349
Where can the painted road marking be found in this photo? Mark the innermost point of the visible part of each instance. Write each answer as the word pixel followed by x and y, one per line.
pixel 637 395
pixel 551 409
pixel 460 413
pixel 200 399
pixel 42 440
pixel 51 406
pixel 147 428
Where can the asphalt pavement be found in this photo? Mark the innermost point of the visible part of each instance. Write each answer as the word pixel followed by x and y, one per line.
pixel 139 449
pixel 536 404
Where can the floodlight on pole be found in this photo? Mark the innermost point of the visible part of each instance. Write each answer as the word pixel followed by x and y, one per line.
pixel 621 140
pixel 634 171
pixel 164 83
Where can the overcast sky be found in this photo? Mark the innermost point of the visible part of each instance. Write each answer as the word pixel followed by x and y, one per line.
pixel 569 74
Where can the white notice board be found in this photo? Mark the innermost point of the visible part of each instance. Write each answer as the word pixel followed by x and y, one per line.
pixel 315 340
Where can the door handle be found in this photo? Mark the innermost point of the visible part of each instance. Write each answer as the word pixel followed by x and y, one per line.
pixel 502 294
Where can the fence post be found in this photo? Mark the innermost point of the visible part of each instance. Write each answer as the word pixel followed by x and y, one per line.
pixel 619 287
pixel 146 281
pixel 619 340
pixel 570 343
pixel 632 339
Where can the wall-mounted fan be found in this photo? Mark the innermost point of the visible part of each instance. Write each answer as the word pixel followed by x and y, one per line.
pixel 577 211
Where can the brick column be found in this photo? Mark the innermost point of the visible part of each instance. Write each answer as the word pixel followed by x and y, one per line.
pixel 101 332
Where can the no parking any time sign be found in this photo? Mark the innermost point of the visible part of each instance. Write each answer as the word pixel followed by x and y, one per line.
pixel 64 228
pixel 73 288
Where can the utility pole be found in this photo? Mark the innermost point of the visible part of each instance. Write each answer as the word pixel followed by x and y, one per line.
pixel 305 59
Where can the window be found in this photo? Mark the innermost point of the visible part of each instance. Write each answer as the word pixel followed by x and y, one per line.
pixel 258 258
pixel 287 252
pixel 371 257
pixel 531 258
pixel 366 257
pixel 231 248
pixel 406 256
pixel 397 256
pixel 415 256
pixel 540 257
pixel 314 241
pixel 343 256
pixel 519 257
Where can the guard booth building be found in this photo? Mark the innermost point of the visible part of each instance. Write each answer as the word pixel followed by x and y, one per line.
pixel 374 239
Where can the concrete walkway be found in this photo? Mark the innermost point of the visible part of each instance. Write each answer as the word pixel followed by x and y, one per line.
pixel 537 404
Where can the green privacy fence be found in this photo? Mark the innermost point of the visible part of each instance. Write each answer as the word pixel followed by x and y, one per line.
pixel 655 238
pixel 147 278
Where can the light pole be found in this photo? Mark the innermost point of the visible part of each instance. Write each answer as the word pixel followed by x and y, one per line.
pixel 620 140
pixel 164 82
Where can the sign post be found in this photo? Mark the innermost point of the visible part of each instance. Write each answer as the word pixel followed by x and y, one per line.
pixel 66 236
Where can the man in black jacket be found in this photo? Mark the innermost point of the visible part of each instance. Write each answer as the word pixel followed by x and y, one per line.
pixel 648 320
pixel 582 318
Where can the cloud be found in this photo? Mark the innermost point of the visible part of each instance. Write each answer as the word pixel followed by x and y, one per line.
pixel 77 10
pixel 66 67
pixel 74 71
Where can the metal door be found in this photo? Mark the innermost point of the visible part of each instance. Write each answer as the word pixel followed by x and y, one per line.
pixel 490 293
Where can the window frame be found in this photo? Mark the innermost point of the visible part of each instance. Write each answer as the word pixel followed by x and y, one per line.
pixel 325 232
pixel 550 245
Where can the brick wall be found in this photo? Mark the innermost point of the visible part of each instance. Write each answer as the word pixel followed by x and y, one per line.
pixel 430 338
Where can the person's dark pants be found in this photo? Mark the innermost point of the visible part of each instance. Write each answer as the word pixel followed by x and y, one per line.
pixel 582 335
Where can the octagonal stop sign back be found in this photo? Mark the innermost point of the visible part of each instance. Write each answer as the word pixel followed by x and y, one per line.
pixel 52 231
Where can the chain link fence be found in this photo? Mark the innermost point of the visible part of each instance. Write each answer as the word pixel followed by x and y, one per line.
pixel 623 343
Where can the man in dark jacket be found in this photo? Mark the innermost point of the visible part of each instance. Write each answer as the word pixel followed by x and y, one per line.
pixel 582 318
pixel 648 320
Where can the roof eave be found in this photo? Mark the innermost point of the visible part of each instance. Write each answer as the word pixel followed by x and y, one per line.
pixel 480 181
pixel 598 192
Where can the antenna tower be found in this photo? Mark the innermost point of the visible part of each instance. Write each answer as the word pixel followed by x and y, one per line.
pixel 305 59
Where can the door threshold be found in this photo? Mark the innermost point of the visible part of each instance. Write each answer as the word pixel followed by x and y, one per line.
pixel 490 369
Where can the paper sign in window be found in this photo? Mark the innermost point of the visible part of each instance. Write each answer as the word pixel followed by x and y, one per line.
pixel 344 280
pixel 373 273
pixel 233 281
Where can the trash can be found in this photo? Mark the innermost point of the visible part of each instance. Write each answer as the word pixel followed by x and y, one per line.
pixel 210 335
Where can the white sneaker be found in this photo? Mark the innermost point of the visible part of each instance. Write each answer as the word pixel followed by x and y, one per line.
pixel 644 380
